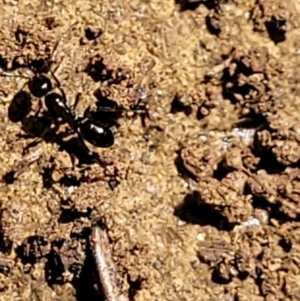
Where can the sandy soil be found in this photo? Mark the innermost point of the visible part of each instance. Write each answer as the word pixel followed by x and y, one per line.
pixel 199 191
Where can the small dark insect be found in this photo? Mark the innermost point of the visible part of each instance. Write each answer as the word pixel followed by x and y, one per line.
pixel 95 133
pixel 95 126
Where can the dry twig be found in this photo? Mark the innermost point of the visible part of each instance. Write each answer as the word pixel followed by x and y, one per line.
pixel 105 265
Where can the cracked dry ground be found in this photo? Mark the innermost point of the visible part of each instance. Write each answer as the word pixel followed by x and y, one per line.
pixel 200 195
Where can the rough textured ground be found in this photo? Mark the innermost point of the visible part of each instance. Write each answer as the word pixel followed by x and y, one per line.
pixel 201 199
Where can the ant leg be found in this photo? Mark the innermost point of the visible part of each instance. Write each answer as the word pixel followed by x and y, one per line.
pixel 57 67
pixel 138 106
pixel 41 107
pixel 58 84
pixel 5 97
pixel 8 74
pixel 77 99
pixel 56 48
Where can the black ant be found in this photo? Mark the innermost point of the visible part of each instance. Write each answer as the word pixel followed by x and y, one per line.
pixel 88 129
pixel 94 128
pixel 40 85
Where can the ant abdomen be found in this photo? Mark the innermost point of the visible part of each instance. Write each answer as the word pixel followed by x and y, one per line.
pixel 96 135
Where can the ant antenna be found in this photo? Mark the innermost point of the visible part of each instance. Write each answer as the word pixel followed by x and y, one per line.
pixel 58 85
pixel 9 74
pixel 61 40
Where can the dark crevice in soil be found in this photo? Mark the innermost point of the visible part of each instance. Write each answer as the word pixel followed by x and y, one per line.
pixel 274 28
pixel 221 172
pixel 86 279
pixel 193 210
pixel 70 215
pixel 178 106
pixel 182 171
pixel 186 5
pixel 134 286
pixel 54 269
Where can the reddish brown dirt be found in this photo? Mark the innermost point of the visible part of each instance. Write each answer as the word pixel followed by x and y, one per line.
pixel 200 195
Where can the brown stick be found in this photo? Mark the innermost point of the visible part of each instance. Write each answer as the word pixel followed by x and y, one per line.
pixel 105 265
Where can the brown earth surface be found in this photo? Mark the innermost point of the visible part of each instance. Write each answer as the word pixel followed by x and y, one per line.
pixel 199 193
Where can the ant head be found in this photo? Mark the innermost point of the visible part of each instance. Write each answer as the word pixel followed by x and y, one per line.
pixel 40 65
pixel 39 85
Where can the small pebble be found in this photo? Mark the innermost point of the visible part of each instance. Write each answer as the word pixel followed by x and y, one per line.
pixel 201 236
pixel 157 264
